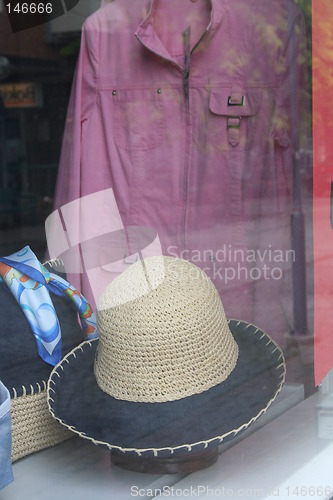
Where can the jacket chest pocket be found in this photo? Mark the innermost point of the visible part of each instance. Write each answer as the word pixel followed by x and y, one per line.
pixel 233 118
pixel 138 119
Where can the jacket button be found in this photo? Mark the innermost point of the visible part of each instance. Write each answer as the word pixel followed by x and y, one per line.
pixel 159 91
pixel 114 92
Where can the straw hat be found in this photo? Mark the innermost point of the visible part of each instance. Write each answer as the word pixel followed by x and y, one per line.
pixel 169 374
pixel 25 373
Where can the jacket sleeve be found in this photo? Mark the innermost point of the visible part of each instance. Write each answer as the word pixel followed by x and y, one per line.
pixel 83 96
pixel 69 180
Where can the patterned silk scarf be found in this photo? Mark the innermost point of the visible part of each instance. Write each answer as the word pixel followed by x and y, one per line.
pixel 30 283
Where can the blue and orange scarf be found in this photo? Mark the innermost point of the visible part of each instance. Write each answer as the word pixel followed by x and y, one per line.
pixel 30 283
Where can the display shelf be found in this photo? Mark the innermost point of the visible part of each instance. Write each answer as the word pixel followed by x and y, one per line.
pixel 287 458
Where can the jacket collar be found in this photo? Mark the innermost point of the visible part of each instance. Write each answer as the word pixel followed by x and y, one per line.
pixel 148 36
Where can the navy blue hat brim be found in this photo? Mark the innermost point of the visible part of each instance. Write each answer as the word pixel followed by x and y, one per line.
pixel 174 427
pixel 22 371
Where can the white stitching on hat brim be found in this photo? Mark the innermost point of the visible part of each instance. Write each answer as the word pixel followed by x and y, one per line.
pixel 156 451
pixel 26 392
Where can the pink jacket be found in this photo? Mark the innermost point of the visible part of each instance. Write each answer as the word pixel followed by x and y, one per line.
pixel 191 129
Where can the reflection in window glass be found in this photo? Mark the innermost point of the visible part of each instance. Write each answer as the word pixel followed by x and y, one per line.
pixel 167 128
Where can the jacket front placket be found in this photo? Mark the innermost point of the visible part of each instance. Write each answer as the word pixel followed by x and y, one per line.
pixel 148 37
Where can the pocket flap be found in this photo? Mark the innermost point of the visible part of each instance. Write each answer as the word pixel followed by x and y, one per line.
pixel 219 102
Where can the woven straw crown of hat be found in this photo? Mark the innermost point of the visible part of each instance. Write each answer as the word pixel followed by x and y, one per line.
pixel 163 333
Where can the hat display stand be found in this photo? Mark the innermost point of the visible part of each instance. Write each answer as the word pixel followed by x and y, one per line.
pixel 185 464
